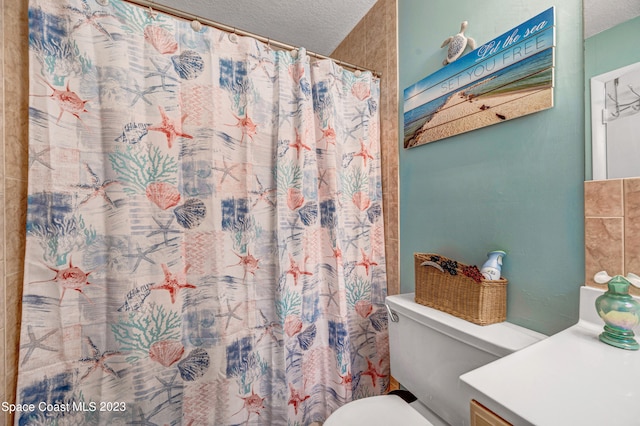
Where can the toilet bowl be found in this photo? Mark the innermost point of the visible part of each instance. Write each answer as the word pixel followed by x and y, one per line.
pixel 429 350
pixel 377 410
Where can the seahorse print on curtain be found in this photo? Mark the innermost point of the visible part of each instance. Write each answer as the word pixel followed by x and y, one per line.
pixel 205 241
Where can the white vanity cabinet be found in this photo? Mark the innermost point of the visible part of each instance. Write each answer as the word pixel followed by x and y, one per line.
pixel 570 378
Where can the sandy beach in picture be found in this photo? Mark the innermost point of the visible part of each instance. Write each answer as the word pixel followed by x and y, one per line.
pixel 462 112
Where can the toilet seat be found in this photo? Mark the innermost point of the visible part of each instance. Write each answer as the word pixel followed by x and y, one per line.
pixel 381 410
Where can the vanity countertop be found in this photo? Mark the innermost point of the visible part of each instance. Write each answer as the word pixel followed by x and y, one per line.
pixel 570 378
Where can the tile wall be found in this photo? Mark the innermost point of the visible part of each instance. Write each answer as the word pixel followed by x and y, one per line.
pixel 14 95
pixel 373 45
pixel 612 228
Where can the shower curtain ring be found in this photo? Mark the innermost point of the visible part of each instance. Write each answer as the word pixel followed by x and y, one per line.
pixel 233 37
pixel 196 25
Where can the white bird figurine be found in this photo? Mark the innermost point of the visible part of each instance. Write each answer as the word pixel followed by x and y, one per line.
pixel 457 43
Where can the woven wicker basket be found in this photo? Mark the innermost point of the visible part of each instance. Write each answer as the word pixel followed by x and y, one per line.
pixel 481 303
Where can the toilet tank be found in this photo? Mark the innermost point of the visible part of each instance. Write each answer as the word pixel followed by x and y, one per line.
pixel 430 349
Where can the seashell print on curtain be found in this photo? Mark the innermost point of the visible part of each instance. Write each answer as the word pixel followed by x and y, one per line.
pixel 205 238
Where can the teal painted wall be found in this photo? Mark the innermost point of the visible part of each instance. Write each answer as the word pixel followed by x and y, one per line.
pixel 614 48
pixel 517 185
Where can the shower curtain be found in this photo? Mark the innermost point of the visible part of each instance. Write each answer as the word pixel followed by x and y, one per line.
pixel 205 237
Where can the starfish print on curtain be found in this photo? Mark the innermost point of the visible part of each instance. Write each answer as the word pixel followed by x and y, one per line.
pixel 204 226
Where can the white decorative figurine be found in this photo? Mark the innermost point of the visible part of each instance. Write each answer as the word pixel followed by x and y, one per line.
pixel 457 43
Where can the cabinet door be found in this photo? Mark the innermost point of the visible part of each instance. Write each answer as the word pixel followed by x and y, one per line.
pixel 482 416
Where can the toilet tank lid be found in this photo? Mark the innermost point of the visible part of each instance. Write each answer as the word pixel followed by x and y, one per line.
pixel 498 339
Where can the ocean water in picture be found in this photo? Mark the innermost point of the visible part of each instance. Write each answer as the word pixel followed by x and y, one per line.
pixel 530 73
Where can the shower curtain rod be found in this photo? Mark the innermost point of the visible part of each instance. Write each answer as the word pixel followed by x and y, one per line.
pixel 185 15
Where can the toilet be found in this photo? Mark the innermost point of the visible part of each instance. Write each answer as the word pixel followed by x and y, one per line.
pixel 429 350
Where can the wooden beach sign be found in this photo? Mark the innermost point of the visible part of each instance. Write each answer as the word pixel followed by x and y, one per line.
pixel 508 77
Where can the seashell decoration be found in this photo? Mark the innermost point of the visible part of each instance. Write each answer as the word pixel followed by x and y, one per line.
pixel 361 200
pixel 292 325
pixel 361 91
pixel 295 199
pixel 188 64
pixel 163 195
pixel 372 105
pixel 135 298
pixel 194 365
pixel 196 25
pixel 305 87
pixel 307 337
pixel 347 158
pixel 309 213
pixel 191 214
pixel 374 213
pixel 364 308
pixel 166 352
pixel 379 320
pixel 296 70
pixel 161 39
pixel 133 133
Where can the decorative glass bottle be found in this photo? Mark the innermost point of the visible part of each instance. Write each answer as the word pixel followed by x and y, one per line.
pixel 619 311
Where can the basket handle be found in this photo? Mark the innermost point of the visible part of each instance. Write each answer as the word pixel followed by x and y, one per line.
pixel 434 264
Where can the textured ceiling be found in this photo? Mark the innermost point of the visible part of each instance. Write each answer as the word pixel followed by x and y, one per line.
pixel 320 25
pixel 600 15
pixel 317 25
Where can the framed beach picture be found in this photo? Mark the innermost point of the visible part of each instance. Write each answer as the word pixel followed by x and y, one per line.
pixel 508 77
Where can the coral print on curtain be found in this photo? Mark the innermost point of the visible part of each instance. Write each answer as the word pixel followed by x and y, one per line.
pixel 204 236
